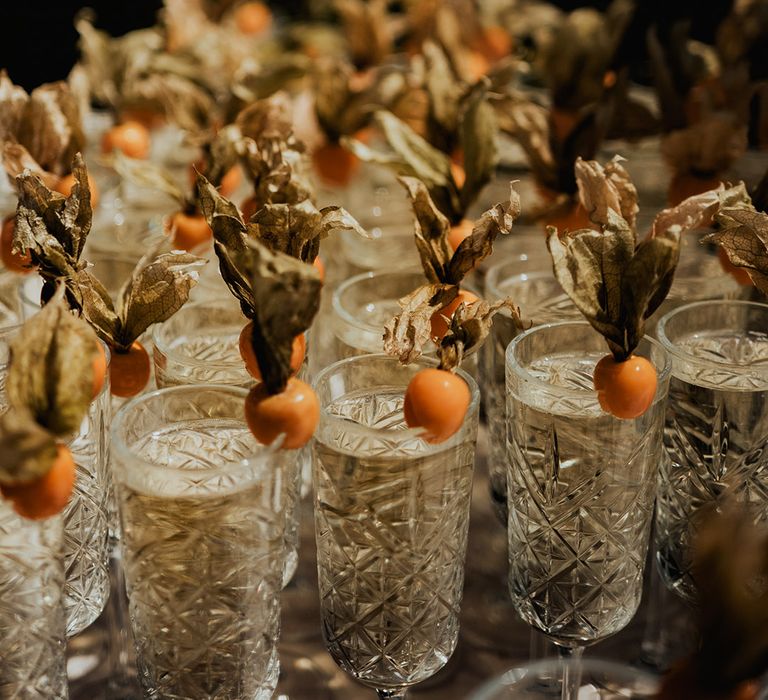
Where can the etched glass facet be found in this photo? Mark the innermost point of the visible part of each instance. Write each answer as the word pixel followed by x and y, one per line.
pixel 32 639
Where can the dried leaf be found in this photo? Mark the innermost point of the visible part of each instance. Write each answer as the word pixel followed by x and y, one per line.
pixel 51 368
pixel 707 147
pixel 606 188
pixel 16 160
pixel 96 306
pixel 743 235
pixel 479 244
pixel 28 449
pixel 478 129
pixel 407 333
pixel 443 90
pixel 221 215
pixel 13 99
pixel 367 29
pixel 469 328
pixel 157 289
pixel 696 211
pixel 287 296
pixel 148 175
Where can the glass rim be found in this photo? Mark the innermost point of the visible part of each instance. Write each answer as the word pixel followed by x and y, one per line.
pixel 182 359
pixel 662 372
pixel 682 355
pixel 492 285
pixel 500 682
pixel 409 433
pixel 341 312
pixel 119 445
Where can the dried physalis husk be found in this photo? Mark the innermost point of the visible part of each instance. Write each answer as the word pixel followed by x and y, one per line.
pixel 440 264
pixel 368 29
pixel 707 147
pixel 13 99
pixel 743 235
pixel 53 228
pixel 28 449
pixel 51 368
pixel 286 293
pixel 469 328
pixel 147 175
pixel 407 333
pixel 616 282
pixel 733 598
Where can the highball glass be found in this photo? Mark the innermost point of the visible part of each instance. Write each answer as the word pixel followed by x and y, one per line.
pixel 391 520
pixel 201 506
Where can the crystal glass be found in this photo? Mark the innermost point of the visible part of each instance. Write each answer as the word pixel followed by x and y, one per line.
pixel 86 516
pixel 362 305
pixel 391 520
pixel 32 625
pixel 199 344
pixel 580 488
pixel 600 680
pixel 201 506
pixel 534 289
pixel 716 424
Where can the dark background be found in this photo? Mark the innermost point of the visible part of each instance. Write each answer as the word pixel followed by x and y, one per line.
pixel 38 41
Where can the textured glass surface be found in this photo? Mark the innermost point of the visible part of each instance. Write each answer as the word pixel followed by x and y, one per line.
pixel 581 485
pixel 391 520
pixel 715 434
pixel 86 520
pixel 32 639
pixel 203 546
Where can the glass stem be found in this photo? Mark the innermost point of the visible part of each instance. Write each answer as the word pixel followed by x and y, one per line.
pixel 570 658
pixel 398 694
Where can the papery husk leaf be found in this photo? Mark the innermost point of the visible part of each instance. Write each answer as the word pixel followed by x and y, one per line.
pixel 589 266
pixel 221 153
pixel 221 215
pixel 406 334
pixel 42 213
pixel 264 80
pixel 157 289
pixel 469 328
pixel 145 174
pixel 51 368
pixel 331 81
pixel 413 156
pixel 367 29
pixel 50 127
pixel 646 281
pixel 445 92
pixel 16 159
pixel 478 129
pixel 287 296
pixel 267 119
pixel 479 244
pixel 98 59
pixel 731 567
pixel 28 449
pixel 744 237
pixel 431 231
pixel 185 103
pixel 13 99
pixel 697 211
pixel 96 305
pixel 602 188
pixel 707 147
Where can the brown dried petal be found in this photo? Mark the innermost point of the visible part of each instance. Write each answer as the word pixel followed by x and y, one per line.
pixel 407 333
pixel 479 245
pixel 696 211
pixel 16 160
pixel 478 130
pixel 367 29
pixel 470 326
pixel 707 147
pixel 589 266
pixel 287 296
pixel 445 92
pixel 51 368
pixel 13 99
pixel 157 289
pixel 606 188
pixel 431 230
pixel 744 237
pixel 28 449
pixel 97 306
